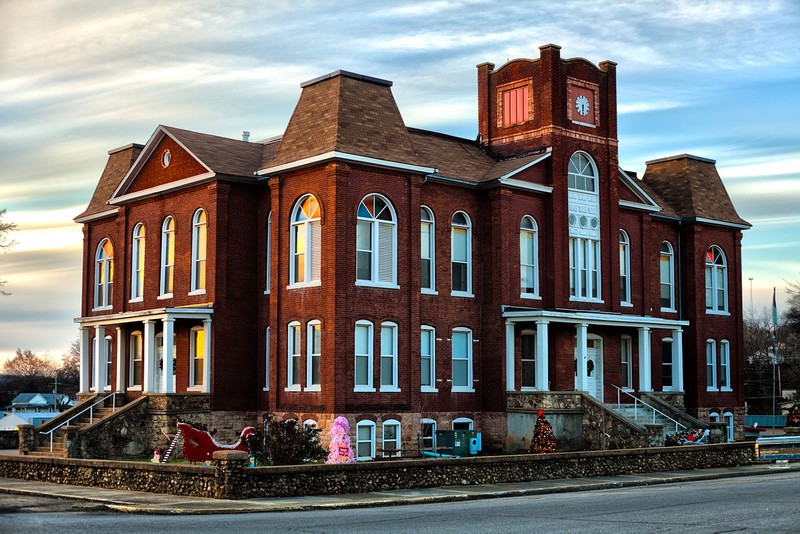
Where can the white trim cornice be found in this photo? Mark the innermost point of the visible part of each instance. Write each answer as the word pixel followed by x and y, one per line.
pixel 638 206
pixel 200 312
pixel 343 156
pixel 515 314
pixel 96 216
pixel 721 223
pixel 163 188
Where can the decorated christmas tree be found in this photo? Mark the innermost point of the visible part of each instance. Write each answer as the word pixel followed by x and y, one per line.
pixel 339 450
pixel 793 418
pixel 543 439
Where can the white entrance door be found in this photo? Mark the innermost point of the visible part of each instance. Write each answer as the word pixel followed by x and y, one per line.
pixel 158 384
pixel 594 367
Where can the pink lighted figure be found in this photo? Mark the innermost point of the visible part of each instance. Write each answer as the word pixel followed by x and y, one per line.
pixel 339 451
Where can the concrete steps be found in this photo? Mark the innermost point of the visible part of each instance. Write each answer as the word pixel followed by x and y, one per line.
pixel 98 414
pixel 643 415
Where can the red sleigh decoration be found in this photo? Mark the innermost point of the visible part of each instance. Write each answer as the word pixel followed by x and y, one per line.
pixel 199 445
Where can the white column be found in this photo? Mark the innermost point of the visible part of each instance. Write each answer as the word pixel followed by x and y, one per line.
pixel 677 360
pixel 207 354
pixel 169 340
pixel 581 356
pixel 510 356
pixel 100 358
pixel 148 373
pixel 644 360
pixel 542 356
pixel 85 379
pixel 122 359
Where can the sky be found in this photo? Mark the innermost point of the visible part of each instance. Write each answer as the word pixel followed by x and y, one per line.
pixel 717 79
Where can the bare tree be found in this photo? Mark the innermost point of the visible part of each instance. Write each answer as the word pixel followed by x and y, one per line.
pixel 69 372
pixel 5 241
pixel 27 364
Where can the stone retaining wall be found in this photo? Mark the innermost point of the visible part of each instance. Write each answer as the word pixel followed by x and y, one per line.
pixel 230 478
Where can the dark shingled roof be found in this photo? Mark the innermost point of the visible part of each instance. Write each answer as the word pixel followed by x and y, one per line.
pixel 119 161
pixel 346 113
pixel 221 154
pixel 452 156
pixel 692 187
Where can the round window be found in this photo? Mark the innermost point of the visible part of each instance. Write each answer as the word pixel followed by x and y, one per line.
pixel 166 158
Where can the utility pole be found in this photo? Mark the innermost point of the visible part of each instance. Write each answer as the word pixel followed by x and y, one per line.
pixel 752 311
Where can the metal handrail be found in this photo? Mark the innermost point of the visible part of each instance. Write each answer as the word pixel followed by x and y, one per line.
pixel 638 401
pixel 91 415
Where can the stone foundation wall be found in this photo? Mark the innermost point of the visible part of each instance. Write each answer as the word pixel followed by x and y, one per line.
pixel 125 434
pixel 229 478
pixel 165 410
pixel 9 439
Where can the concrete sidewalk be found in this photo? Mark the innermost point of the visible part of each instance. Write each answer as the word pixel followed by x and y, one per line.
pixel 157 503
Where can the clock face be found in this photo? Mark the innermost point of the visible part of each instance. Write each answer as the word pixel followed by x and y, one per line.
pixel 582 105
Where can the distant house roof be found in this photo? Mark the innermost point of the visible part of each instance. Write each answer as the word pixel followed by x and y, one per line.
pixel 12 420
pixel 38 400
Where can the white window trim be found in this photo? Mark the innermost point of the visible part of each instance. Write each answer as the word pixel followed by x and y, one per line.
pixel 370 424
pixel 625 242
pixel 672 364
pixel 394 387
pixel 291 350
pixel 309 356
pixel 470 387
pixel 106 267
pixel 399 441
pixel 375 246
pixel 671 255
pixel 138 242
pixel 432 250
pixel 167 238
pixel 192 356
pixel 310 254
pixel 268 253
pixel 578 255
pixel 426 421
pixel 595 176
pixel 429 388
pixel 725 343
pixel 196 259
pixel 731 433
pixel 266 359
pixel 535 238
pixel 714 380
pixel 715 309
pixel 528 332
pixel 457 293
pixel 626 341
pixel 132 362
pixel 368 387
pixel 464 420
pixel 109 363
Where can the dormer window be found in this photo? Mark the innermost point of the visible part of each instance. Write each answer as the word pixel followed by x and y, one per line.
pixel 515 106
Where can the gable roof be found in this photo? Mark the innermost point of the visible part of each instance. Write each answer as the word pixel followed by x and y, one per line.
pixel 347 113
pixel 221 155
pixel 691 186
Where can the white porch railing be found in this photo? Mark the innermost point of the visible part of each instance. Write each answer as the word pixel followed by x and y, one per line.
pixel 89 408
pixel 637 401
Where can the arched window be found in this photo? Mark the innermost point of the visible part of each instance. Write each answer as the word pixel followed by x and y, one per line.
pixel 584 228
pixel 199 240
pixel 461 254
pixel 528 254
pixel 167 256
pixel 624 268
pixel 716 280
pixel 391 438
pixel 461 354
pixel 376 242
pixel 306 242
pixel 137 262
pixel 462 423
pixel 365 440
pixel 667 276
pixel 582 173
pixel 428 251
pixel 313 355
pixel 104 274
pixel 728 418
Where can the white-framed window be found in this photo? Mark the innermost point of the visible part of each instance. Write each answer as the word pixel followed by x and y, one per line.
pixel 584 268
pixel 314 355
pixel 266 358
pixel 365 440
pixel 711 365
pixel 528 254
pixel 109 367
pixel 716 280
pixel 624 268
pixel 167 257
pixel 391 438
pixel 389 372
pixel 666 364
pixel 461 254
pixel 104 275
pixel 136 351
pixel 724 365
pixel 428 358
pixel 461 352
pixel 713 417
pixel 95 363
pixel 582 173
pixel 528 360
pixel 666 271
pixel 199 252
pixel 305 242
pixel 268 253
pixel 463 423
pixel 376 242
pixel 293 357
pixel 625 352
pixel 197 352
pixel 428 433
pixel 427 250
pixel 363 356
pixel 137 262
pixel 728 418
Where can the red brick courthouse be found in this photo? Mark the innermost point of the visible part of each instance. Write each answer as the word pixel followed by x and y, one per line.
pixel 411 280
